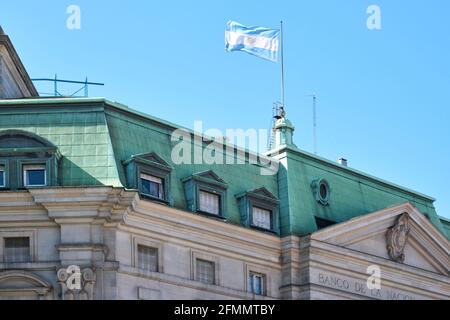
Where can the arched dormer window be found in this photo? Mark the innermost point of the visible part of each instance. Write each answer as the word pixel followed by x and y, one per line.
pixel 27 160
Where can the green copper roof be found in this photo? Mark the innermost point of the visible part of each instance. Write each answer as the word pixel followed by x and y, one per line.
pixel 352 192
pixel 95 136
pixel 81 134
pixel 284 122
pixel 446 224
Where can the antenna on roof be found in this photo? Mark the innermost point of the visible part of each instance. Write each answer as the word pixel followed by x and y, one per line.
pixel 314 99
pixel 277 113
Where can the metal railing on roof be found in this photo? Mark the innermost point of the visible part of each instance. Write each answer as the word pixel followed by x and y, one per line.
pixel 85 86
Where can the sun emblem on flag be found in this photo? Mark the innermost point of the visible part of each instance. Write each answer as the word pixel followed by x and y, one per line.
pixel 250 41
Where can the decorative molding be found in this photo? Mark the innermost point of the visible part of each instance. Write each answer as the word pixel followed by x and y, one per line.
pixel 397 237
pixel 35 285
pixel 339 260
pixel 316 186
pixel 87 279
pixel 374 225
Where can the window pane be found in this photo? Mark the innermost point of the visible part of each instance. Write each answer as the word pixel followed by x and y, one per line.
pixel 17 249
pixel 148 258
pixel 209 202
pixel 34 175
pixel 262 218
pixel 205 271
pixel 152 186
pixel 256 283
pixel 2 178
pixel 323 191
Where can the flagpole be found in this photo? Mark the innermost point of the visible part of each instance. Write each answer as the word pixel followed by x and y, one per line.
pixel 282 65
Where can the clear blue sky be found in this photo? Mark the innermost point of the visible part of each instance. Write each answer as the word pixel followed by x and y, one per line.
pixel 384 96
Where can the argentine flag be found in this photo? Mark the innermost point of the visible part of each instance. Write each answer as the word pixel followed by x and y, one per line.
pixel 258 41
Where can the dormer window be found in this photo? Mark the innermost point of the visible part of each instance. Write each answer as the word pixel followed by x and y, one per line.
pixel 34 175
pixel 206 194
pixel 259 210
pixel 150 175
pixel 27 160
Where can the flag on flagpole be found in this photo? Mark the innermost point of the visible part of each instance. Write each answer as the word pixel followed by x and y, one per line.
pixel 258 41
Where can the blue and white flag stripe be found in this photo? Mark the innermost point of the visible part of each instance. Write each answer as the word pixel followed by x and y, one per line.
pixel 258 41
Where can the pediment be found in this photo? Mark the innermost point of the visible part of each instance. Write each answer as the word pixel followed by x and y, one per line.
pixel 209 175
pixel 152 157
pixel 264 192
pixel 261 194
pixel 425 247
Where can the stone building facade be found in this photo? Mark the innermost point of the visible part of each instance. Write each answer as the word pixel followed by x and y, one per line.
pixel 93 206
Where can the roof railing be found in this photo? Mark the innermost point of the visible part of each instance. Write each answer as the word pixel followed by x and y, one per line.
pixel 85 86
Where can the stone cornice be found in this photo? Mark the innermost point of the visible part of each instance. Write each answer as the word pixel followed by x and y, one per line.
pixel 189 219
pixel 104 203
pixel 163 221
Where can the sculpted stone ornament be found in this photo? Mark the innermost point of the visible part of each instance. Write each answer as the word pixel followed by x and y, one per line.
pixel 396 237
pixel 76 284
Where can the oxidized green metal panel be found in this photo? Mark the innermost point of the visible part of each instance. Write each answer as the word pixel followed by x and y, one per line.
pixel 81 135
pixel 351 195
pixel 132 135
pixel 95 136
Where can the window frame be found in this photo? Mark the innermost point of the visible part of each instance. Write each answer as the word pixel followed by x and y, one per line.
pixel 139 241
pixel 4 166
pixel 316 188
pixel 3 185
pixel 141 246
pixel 5 239
pixel 22 162
pixel 37 166
pixel 153 165
pixel 161 192
pixel 268 209
pixel 19 233
pixel 251 275
pixel 263 199
pixel 209 182
pixel 213 192
pixel 196 255
pixel 212 264
pixel 259 270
